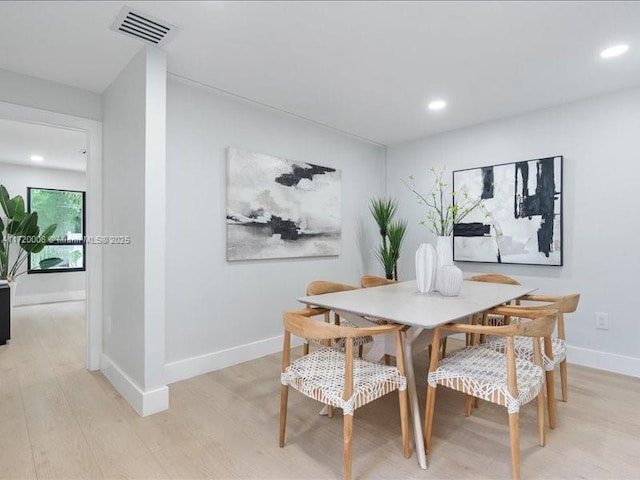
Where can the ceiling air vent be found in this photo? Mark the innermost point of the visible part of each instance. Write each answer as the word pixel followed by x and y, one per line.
pixel 143 27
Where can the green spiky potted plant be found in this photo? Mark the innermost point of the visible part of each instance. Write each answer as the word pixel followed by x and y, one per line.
pixel 392 233
pixel 20 236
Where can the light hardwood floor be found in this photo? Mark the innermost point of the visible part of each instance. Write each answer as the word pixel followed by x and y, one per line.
pixel 59 421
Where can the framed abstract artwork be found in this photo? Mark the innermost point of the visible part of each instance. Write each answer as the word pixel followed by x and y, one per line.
pixel 278 208
pixel 520 220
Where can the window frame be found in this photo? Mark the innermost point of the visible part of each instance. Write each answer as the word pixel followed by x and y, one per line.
pixel 62 242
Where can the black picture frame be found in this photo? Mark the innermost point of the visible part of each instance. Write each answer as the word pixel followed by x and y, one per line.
pixel 521 217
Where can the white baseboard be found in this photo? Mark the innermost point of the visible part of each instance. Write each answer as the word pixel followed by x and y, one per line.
pixel 199 365
pixel 145 403
pixel 209 362
pixel 50 298
pixel 611 362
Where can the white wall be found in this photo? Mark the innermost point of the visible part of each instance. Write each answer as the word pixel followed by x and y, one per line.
pixel 43 94
pixel 599 139
pixel 49 287
pixel 219 312
pixel 133 199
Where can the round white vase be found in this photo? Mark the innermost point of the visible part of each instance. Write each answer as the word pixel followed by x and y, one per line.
pixel 450 280
pixel 426 268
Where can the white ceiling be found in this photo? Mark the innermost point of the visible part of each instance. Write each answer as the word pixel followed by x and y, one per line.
pixel 60 148
pixel 367 68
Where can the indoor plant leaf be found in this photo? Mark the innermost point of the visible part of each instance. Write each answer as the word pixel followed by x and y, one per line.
pixel 396 233
pixel 444 208
pixel 21 226
pixel 7 205
pixel 385 257
pixel 29 226
pixel 38 246
pixel 14 227
pixel 383 210
pixel 48 232
pixel 19 211
pixel 48 263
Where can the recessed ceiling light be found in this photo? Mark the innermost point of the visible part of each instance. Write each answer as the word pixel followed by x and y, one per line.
pixel 614 51
pixel 437 105
pixel 37 158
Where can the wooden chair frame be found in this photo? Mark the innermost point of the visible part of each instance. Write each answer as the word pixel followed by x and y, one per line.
pixel 495 278
pixel 321 287
pixel 368 281
pixel 491 278
pixel 371 281
pixel 564 304
pixel 299 324
pixel 542 325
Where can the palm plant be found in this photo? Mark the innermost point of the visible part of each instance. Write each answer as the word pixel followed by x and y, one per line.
pixel 396 232
pixel 383 210
pixel 19 231
pixel 385 257
pixel 392 233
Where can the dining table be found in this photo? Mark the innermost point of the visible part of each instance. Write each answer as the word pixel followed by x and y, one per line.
pixel 421 313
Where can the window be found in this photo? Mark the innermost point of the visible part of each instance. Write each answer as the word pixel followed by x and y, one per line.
pixel 65 208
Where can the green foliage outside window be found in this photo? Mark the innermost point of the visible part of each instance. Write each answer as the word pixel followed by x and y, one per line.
pixel 65 208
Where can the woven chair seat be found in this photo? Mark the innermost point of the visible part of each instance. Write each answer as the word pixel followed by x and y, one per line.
pixel 482 372
pixel 320 375
pixel 524 349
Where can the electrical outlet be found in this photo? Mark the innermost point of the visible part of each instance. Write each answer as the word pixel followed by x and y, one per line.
pixel 602 321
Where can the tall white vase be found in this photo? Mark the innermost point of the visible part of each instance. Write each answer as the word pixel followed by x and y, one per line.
pixel 444 256
pixel 426 268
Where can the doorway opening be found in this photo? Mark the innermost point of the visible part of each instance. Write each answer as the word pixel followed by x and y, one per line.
pixel 52 152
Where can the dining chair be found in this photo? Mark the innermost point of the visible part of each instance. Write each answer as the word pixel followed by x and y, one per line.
pixel 494 278
pixel 336 378
pixel 321 287
pixel 367 281
pixel 523 348
pixel 497 377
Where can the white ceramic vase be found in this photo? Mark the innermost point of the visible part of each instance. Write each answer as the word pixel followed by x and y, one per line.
pixel 426 268
pixel 444 256
pixel 450 280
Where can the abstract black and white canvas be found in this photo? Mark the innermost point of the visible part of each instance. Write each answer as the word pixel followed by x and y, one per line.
pixel 278 208
pixel 520 220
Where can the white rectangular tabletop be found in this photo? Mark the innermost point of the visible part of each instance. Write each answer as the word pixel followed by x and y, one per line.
pixel 402 303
